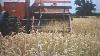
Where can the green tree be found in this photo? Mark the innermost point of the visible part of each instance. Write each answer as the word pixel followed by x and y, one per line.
pixel 84 7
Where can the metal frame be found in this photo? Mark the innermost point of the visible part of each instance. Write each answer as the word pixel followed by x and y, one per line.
pixel 49 13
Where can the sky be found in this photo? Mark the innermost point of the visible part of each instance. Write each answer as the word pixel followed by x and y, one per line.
pixel 97 2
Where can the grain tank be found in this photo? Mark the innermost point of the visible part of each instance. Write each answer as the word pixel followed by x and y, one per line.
pixel 18 8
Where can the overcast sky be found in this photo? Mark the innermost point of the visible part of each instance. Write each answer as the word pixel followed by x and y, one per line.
pixel 97 2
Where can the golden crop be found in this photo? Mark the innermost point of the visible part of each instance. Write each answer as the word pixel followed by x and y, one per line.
pixel 84 40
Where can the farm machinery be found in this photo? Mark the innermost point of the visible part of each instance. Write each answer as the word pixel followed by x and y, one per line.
pixel 23 15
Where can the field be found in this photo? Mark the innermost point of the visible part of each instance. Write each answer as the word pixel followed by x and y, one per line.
pixel 84 40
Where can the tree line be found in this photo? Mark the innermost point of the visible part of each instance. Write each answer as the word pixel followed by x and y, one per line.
pixel 85 7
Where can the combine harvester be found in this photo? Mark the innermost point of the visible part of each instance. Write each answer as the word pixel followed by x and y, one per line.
pixel 44 10
pixel 22 14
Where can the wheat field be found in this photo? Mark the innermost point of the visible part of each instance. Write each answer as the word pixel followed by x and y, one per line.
pixel 84 40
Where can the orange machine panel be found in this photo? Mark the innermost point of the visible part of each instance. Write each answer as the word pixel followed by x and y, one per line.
pixel 16 9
